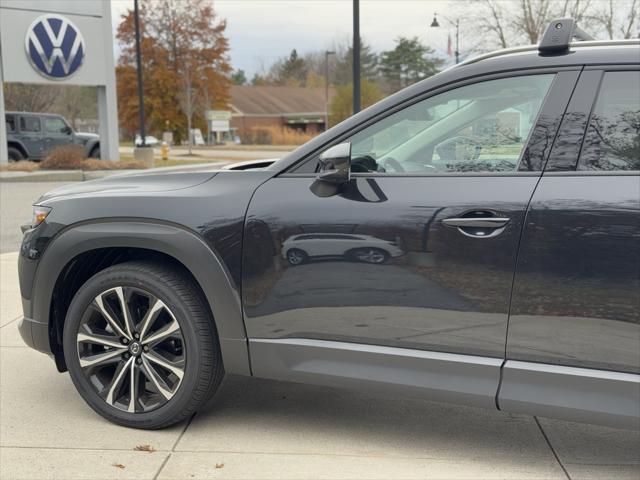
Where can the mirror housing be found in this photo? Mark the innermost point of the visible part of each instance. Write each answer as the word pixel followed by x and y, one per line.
pixel 335 164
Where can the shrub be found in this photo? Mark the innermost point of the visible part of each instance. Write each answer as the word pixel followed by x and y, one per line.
pixel 21 166
pixel 274 136
pixel 65 157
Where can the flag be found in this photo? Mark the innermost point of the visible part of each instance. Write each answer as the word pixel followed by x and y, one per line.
pixel 449 46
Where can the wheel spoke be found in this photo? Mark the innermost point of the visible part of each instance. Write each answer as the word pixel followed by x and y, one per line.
pixel 98 359
pixel 152 374
pixel 150 317
pixel 107 316
pixel 165 332
pixel 106 341
pixel 177 371
pixel 133 386
pixel 128 322
pixel 116 382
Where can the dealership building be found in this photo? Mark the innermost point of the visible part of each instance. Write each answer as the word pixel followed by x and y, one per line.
pixel 60 42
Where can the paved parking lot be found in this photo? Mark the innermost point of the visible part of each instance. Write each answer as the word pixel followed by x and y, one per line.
pixel 265 429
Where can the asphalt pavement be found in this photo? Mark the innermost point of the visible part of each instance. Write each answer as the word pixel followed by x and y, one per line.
pixel 272 430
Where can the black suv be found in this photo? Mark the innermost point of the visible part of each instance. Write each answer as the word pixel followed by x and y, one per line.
pixel 31 136
pixel 510 186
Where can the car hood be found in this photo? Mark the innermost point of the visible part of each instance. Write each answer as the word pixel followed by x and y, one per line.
pixel 132 184
pixel 86 136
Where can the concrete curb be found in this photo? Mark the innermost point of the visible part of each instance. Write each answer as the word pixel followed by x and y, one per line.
pixel 81 176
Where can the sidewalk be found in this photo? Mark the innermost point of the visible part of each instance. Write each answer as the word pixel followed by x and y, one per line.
pixel 272 430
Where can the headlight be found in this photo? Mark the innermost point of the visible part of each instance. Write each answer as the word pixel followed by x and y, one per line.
pixel 39 214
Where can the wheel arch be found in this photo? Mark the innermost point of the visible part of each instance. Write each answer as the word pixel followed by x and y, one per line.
pixel 18 145
pixel 101 244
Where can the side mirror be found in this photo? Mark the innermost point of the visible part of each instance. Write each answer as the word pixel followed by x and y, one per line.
pixel 335 164
pixel 335 170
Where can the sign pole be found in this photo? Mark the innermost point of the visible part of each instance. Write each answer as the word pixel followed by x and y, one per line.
pixel 4 154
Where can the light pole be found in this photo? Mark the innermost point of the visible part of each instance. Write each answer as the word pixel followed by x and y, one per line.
pixel 356 56
pixel 326 88
pixel 136 17
pixel 456 24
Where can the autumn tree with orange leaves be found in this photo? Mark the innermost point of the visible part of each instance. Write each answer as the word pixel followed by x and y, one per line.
pixel 185 66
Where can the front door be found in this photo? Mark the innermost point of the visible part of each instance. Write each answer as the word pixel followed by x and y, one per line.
pixel 56 133
pixel 417 251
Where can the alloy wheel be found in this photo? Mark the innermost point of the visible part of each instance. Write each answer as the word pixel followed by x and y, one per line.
pixel 131 349
pixel 370 255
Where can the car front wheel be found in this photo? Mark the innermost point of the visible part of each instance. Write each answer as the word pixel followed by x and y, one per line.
pixel 141 346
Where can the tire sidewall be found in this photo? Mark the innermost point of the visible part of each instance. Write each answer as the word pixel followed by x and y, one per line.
pixel 14 154
pixel 194 346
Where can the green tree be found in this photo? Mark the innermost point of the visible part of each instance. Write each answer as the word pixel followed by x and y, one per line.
pixel 290 71
pixel 342 103
pixel 238 77
pixel 342 69
pixel 409 62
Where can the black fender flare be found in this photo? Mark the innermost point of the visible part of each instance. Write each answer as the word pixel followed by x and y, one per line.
pixel 90 145
pixel 177 242
pixel 20 146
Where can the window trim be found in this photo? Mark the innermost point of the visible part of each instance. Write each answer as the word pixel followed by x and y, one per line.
pixel 291 171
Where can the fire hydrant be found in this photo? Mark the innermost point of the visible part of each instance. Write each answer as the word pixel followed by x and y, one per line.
pixel 164 151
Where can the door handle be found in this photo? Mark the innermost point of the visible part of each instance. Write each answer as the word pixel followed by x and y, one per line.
pixel 483 222
pixel 478 224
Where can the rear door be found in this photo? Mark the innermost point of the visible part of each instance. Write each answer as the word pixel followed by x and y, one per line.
pixel 31 135
pixel 574 330
pixel 437 198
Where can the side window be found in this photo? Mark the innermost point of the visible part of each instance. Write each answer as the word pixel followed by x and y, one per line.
pixel 612 139
pixel 55 125
pixel 10 122
pixel 30 124
pixel 482 127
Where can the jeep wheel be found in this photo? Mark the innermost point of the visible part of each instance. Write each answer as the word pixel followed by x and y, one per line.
pixel 141 346
pixel 14 154
pixel 95 152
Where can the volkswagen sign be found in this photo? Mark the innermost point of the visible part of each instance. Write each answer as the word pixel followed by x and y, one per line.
pixel 55 46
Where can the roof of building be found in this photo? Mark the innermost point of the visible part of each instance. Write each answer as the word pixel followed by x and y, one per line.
pixel 261 100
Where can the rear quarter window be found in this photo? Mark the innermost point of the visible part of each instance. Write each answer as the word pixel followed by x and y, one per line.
pixel 612 139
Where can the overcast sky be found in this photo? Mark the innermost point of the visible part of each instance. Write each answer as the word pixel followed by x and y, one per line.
pixel 260 31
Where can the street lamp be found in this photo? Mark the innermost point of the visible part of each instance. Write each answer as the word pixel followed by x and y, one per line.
pixel 456 24
pixel 326 87
pixel 356 56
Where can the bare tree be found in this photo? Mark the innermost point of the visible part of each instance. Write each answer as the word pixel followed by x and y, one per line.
pixel 187 99
pixel 614 20
pixel 508 23
pixel 30 98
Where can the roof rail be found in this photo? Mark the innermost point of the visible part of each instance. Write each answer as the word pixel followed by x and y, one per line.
pixel 559 34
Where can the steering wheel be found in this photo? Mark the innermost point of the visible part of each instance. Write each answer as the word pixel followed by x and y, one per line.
pixel 446 150
pixel 394 164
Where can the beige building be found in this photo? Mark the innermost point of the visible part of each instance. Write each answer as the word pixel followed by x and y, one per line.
pixel 270 106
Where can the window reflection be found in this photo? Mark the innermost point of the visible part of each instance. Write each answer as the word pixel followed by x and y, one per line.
pixel 612 141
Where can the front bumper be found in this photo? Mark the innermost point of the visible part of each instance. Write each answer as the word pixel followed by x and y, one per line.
pixel 35 334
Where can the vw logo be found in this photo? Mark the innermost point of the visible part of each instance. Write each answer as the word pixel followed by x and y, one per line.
pixel 55 46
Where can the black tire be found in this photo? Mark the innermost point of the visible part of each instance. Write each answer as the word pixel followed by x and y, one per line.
pixel 202 369
pixel 14 154
pixel 373 255
pixel 95 152
pixel 295 256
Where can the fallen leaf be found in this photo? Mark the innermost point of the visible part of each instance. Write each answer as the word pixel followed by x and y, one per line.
pixel 117 465
pixel 144 448
pixel 219 465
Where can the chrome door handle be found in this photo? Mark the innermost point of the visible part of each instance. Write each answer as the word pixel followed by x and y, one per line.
pixel 483 222
pixel 478 224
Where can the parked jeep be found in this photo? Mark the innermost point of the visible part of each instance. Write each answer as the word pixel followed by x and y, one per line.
pixel 32 135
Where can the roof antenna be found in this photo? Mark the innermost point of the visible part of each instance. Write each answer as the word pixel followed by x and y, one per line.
pixel 559 34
